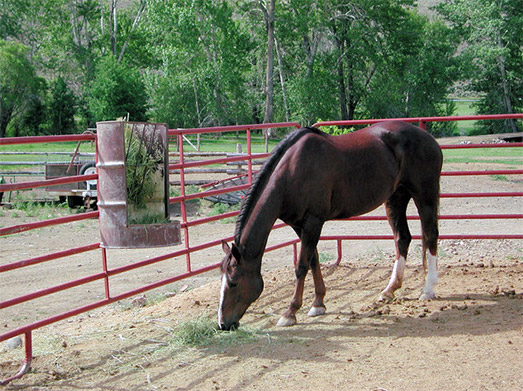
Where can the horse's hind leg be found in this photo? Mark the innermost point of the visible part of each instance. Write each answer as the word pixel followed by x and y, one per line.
pixel 428 212
pixel 396 208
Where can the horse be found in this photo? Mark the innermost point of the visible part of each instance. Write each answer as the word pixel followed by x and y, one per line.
pixel 312 177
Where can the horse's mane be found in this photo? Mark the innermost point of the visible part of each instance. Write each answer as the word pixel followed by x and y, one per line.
pixel 263 175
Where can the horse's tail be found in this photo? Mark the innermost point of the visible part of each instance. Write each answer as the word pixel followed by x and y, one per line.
pixel 263 175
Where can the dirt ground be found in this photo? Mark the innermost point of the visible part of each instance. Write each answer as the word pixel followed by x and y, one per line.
pixel 469 338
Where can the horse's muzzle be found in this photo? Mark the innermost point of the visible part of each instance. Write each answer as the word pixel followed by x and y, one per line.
pixel 229 326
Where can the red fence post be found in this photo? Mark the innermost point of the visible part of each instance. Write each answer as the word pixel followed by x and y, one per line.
pixel 183 206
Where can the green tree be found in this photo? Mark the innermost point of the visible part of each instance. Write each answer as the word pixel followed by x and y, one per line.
pixel 492 51
pixel 309 60
pixel 364 59
pixel 11 12
pixel 200 79
pixel 414 80
pixel 18 82
pixel 62 107
pixel 32 120
pixel 117 90
pixel 67 37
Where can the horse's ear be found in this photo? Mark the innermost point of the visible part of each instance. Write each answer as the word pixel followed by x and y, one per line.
pixel 236 253
pixel 225 247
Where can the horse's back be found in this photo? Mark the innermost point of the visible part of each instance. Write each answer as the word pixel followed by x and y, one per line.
pixel 352 174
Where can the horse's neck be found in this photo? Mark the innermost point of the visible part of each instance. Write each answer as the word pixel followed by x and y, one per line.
pixel 253 238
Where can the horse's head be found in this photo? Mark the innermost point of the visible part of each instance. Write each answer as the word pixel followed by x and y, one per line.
pixel 241 285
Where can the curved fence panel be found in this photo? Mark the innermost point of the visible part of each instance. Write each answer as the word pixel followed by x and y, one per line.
pixel 184 261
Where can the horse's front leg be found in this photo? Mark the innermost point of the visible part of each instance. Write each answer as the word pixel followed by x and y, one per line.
pixel 308 259
pixel 289 317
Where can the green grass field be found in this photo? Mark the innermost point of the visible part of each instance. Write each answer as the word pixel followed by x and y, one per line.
pixel 511 156
pixel 46 155
pixel 465 107
pixel 228 144
pixel 207 144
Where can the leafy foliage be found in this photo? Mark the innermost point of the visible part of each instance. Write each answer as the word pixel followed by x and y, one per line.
pixel 492 55
pixel 62 107
pixel 193 63
pixel 20 87
pixel 200 79
pixel 117 90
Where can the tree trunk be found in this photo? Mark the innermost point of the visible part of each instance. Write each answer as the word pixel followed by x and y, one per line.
pixel 506 90
pixel 197 112
pixel 269 72
pixel 342 90
pixel 282 80
pixel 3 127
pixel 137 18
pixel 114 26
pixel 352 98
pixel 310 54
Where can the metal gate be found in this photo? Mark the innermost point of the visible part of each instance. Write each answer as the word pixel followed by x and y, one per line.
pixel 193 244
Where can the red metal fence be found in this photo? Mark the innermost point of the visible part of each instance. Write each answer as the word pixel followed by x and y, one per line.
pixel 187 249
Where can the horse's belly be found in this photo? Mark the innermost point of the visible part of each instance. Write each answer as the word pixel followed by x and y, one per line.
pixel 354 202
pixel 348 211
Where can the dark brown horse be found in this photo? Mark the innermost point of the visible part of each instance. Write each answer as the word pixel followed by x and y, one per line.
pixel 312 177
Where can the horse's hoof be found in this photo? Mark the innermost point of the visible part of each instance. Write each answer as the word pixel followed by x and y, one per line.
pixel 427 296
pixel 385 297
pixel 286 322
pixel 316 311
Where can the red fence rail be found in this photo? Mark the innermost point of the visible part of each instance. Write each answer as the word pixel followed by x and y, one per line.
pixel 188 249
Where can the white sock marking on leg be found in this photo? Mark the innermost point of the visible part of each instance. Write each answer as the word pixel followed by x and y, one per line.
pixel 432 275
pixel 222 293
pixel 397 274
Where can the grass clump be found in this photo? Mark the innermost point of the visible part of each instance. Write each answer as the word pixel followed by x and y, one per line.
pixel 203 332
pixel 502 178
pixel 23 203
pixel 219 209
pixel 326 257
pixel 147 219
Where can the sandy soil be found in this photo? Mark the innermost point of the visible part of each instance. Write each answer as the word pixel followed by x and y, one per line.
pixel 468 338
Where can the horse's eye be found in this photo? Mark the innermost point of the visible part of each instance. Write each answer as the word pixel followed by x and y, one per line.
pixel 232 284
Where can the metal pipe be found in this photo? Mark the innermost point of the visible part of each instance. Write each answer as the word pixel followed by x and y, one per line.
pixel 27 361
pixel 48 257
pixel 48 182
pixel 47 223
pixel 183 206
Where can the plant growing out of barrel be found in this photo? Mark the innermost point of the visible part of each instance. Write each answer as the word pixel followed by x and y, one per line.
pixel 144 163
